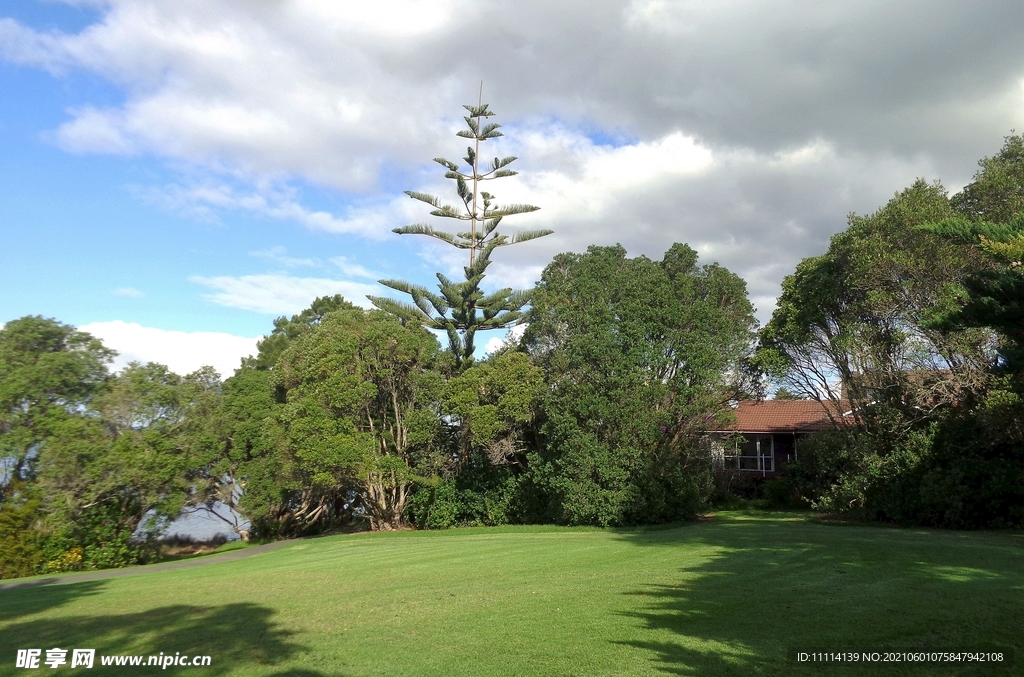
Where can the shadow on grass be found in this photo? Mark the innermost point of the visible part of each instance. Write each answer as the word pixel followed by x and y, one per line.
pixel 18 602
pixel 237 637
pixel 769 586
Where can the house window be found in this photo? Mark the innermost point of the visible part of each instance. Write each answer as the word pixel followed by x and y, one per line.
pixel 756 453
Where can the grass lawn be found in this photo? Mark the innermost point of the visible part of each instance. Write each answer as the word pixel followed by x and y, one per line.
pixel 726 596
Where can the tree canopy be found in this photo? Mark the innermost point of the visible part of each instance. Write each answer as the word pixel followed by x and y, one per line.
pixel 91 458
pixel 858 323
pixel 912 322
pixel 990 218
pixel 640 357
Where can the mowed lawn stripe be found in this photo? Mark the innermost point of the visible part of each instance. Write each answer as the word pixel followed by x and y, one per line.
pixel 721 597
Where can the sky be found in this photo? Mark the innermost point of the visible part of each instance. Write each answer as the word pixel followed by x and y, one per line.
pixel 174 174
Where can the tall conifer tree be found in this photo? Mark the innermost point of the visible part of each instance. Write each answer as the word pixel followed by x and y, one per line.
pixel 462 308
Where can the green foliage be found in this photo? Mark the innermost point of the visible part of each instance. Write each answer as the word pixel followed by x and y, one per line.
pixel 974 475
pixel 20 531
pixel 997 192
pixel 240 470
pixel 492 404
pixel 859 323
pixel 964 471
pixel 342 425
pixel 462 308
pixel 436 507
pixel 99 538
pixel 286 330
pixel 991 219
pixel 352 427
pixel 90 459
pixel 490 412
pixel 906 310
pixel 481 494
pixel 125 464
pixel 640 357
pixel 48 372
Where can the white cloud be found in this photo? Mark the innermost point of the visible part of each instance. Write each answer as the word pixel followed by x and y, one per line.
pixel 756 214
pixel 268 90
pixel 398 18
pixel 513 334
pixel 280 256
pixel 748 129
pixel 182 352
pixel 96 131
pixel 129 292
pixel 281 294
pixel 336 91
pixel 21 45
pixel 203 201
pixel 353 269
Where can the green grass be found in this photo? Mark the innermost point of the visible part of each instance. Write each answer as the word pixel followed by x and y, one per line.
pixel 721 597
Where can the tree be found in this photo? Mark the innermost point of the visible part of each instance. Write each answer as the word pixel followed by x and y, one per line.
pixel 359 417
pixel 975 477
pixel 238 479
pixel 88 456
pixel 491 404
pixel 241 480
pixel 48 372
pixel 990 218
pixel 993 295
pixel 640 357
pixel 21 516
pixel 488 415
pixel 339 424
pixel 124 464
pixel 286 330
pixel 856 325
pixel 879 326
pixel 996 194
pixel 461 308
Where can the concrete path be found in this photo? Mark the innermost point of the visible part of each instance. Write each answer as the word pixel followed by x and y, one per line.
pixel 64 579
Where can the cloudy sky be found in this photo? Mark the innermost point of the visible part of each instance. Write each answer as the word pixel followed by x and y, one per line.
pixel 176 173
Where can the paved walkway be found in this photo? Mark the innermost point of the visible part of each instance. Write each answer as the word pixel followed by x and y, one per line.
pixel 64 579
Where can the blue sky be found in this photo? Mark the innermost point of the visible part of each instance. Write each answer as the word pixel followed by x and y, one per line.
pixel 83 240
pixel 174 175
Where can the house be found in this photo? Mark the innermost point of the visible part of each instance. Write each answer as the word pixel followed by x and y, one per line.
pixel 765 435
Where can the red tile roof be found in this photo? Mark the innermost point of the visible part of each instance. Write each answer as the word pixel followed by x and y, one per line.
pixel 783 416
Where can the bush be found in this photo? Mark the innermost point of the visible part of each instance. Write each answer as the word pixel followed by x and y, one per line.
pixel 963 471
pixel 479 496
pixel 974 475
pixel 97 539
pixel 584 481
pixel 20 540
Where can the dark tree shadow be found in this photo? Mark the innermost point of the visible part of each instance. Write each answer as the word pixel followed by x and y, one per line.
pixel 773 586
pixel 18 602
pixel 236 636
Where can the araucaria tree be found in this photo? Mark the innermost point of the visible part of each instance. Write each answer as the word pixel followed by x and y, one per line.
pixel 462 308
